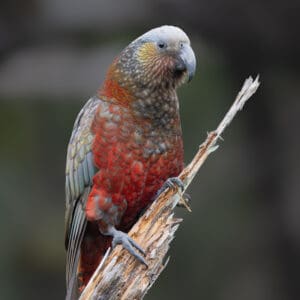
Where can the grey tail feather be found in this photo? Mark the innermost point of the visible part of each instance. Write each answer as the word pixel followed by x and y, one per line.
pixel 76 234
pixel 72 285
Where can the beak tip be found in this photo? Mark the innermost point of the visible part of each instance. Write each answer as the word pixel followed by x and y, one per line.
pixel 190 76
pixel 190 64
pixel 187 63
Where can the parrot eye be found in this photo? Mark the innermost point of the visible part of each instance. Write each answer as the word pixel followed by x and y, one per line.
pixel 181 45
pixel 162 45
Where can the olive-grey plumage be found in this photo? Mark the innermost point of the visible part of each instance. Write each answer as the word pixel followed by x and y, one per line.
pixel 79 178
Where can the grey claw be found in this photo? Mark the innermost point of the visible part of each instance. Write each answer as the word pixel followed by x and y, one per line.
pixel 187 197
pixel 135 245
pixel 171 183
pixel 121 238
pixel 185 201
pixel 175 181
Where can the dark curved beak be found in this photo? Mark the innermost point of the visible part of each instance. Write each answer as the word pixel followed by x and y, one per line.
pixel 187 62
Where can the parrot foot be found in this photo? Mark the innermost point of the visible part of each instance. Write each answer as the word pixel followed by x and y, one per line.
pixel 173 183
pixel 122 238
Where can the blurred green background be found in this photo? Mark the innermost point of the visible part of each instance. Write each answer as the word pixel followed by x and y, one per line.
pixel 242 240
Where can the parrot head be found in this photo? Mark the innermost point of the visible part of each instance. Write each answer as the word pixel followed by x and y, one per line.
pixel 160 58
pixel 165 54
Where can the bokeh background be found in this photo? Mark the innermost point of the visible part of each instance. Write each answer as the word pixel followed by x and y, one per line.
pixel 242 240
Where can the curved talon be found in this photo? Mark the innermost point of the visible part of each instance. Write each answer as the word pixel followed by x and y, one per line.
pixel 187 197
pixel 122 238
pixel 171 183
pixel 185 201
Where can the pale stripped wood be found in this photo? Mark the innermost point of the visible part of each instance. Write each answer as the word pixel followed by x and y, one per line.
pixel 120 276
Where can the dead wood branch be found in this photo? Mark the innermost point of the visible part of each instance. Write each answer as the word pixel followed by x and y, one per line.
pixel 120 276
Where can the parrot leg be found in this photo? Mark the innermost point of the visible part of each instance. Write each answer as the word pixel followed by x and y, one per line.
pixel 120 237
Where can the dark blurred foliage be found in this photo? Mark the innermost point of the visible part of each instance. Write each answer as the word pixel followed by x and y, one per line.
pixel 242 240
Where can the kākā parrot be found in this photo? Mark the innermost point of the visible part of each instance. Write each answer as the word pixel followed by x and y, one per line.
pixel 126 143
